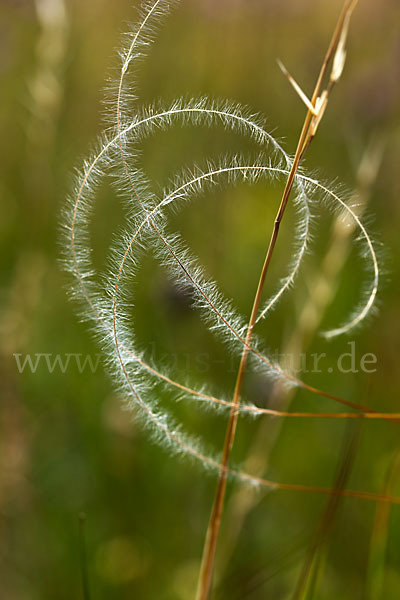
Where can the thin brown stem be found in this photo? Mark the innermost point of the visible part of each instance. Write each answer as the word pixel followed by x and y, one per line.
pixel 307 134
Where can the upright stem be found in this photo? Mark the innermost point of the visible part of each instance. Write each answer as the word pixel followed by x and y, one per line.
pixel 306 136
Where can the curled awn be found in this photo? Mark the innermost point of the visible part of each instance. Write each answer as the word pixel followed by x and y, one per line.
pixel 106 303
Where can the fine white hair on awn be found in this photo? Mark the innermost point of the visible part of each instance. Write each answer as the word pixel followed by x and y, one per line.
pixel 108 302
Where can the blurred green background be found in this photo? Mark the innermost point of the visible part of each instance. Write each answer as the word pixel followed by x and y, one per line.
pixel 66 447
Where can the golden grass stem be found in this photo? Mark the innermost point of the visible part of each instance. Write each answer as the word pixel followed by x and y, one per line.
pixel 310 125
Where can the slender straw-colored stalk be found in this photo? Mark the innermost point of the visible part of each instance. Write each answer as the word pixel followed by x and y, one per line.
pixel 310 125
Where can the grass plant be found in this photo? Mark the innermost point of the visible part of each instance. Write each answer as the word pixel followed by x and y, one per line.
pixel 106 301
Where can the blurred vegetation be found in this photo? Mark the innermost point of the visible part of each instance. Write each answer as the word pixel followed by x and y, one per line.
pixel 66 447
